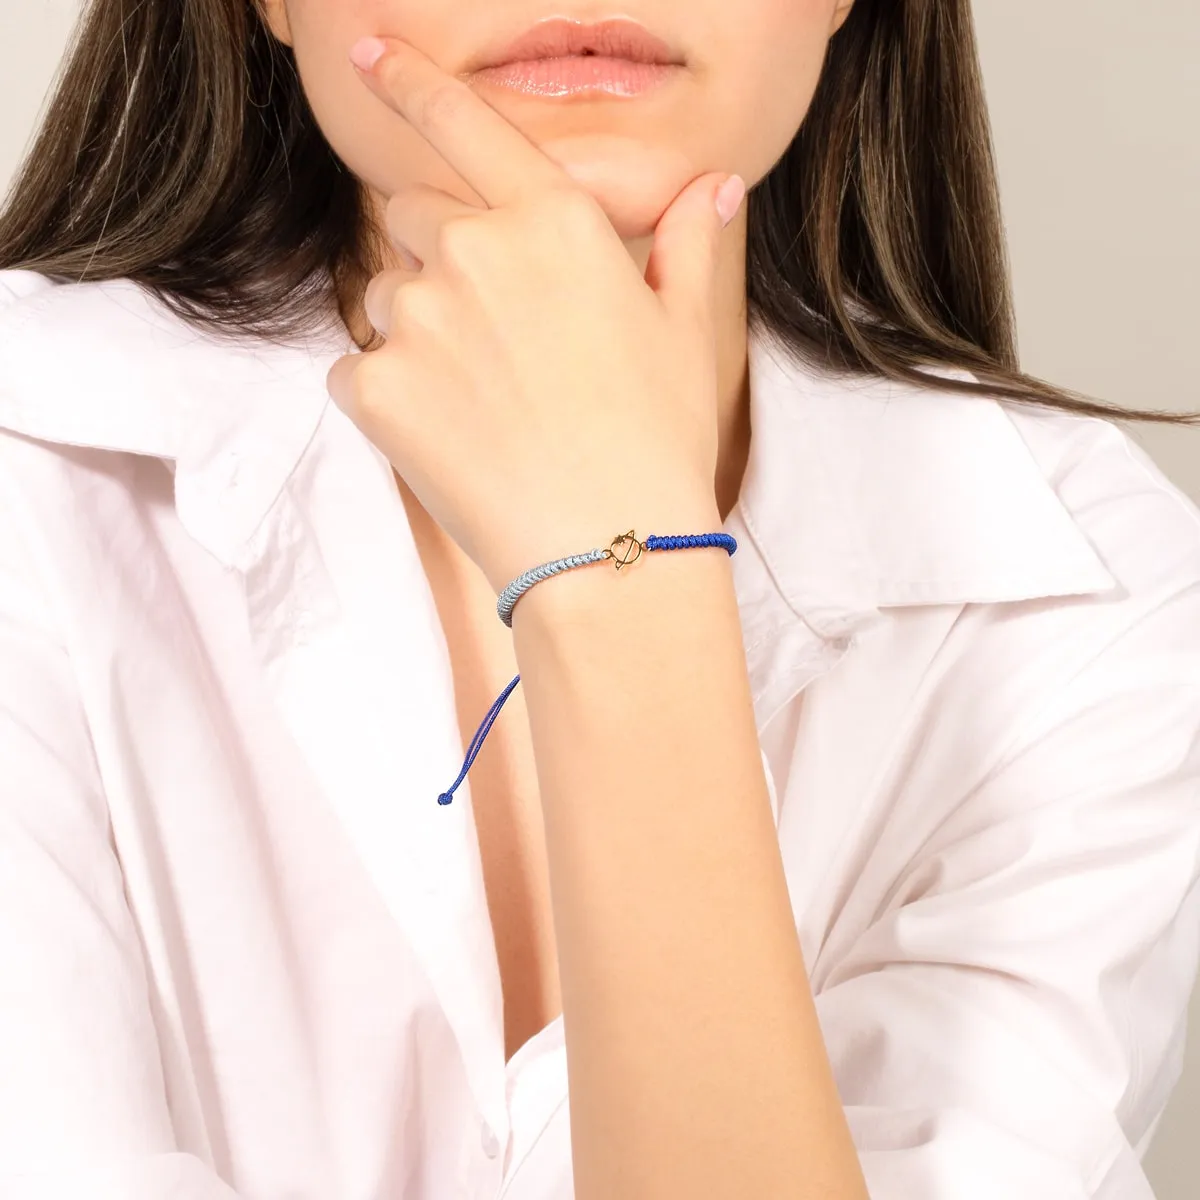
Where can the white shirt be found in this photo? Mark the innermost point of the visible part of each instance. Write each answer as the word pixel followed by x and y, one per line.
pixel 245 953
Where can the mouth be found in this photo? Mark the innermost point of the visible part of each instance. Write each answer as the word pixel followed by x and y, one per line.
pixel 559 58
pixel 558 37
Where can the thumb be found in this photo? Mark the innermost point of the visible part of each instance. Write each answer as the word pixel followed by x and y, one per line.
pixel 683 259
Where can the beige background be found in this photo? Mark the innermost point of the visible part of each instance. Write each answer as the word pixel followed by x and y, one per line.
pixel 1095 106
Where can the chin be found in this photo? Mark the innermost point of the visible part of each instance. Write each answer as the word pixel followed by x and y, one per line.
pixel 630 215
pixel 634 189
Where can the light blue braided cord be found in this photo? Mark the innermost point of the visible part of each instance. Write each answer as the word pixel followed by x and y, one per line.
pixel 519 586
pixel 523 582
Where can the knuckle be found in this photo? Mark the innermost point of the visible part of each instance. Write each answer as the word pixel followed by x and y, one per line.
pixel 415 305
pixel 572 212
pixel 368 385
pixel 372 295
pixel 456 241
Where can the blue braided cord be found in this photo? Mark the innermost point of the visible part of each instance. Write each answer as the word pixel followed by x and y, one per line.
pixel 477 741
pixel 519 586
pixel 724 540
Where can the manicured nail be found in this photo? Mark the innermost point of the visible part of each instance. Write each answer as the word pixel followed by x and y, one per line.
pixel 364 54
pixel 729 198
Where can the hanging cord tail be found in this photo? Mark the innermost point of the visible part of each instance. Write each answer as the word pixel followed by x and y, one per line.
pixel 624 550
pixel 476 745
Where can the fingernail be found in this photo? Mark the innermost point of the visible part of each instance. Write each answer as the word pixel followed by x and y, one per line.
pixel 364 54
pixel 729 198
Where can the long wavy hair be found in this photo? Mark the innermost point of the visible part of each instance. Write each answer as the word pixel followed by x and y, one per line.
pixel 179 151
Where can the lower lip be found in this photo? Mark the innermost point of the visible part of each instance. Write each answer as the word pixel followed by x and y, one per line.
pixel 578 75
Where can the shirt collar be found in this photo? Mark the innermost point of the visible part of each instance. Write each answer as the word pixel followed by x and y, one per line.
pixel 107 365
pixel 863 494
pixel 859 493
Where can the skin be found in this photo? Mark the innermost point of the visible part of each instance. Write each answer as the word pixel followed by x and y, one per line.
pixel 751 72
pixel 697 1065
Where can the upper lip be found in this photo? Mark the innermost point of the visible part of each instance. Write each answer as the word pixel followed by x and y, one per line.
pixel 560 37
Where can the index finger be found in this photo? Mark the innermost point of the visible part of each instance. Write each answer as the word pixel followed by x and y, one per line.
pixel 485 148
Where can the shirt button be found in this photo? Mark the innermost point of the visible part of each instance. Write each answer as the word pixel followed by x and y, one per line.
pixel 491 1143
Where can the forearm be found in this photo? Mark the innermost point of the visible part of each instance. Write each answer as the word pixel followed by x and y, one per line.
pixel 697 1066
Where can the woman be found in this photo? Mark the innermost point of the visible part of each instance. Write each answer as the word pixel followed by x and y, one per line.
pixel 851 850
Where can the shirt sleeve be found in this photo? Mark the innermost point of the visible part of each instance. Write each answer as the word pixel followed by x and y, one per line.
pixel 83 1109
pixel 1012 1024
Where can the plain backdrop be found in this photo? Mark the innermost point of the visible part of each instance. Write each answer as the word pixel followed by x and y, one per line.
pixel 1095 105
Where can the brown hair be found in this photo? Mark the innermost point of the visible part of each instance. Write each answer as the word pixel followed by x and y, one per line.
pixel 179 151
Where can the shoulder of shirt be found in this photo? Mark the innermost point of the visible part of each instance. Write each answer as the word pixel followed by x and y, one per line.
pixel 1144 525
pixel 107 366
pixel 861 493
pixel 901 495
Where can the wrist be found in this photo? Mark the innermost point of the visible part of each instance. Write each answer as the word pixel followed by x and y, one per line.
pixel 522 552
pixel 651 591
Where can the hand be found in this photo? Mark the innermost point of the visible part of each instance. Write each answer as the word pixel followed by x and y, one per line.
pixel 535 392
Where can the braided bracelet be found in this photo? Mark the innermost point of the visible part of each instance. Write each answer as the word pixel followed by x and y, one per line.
pixel 624 550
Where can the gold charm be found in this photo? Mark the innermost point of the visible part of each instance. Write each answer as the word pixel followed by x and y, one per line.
pixel 631 552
